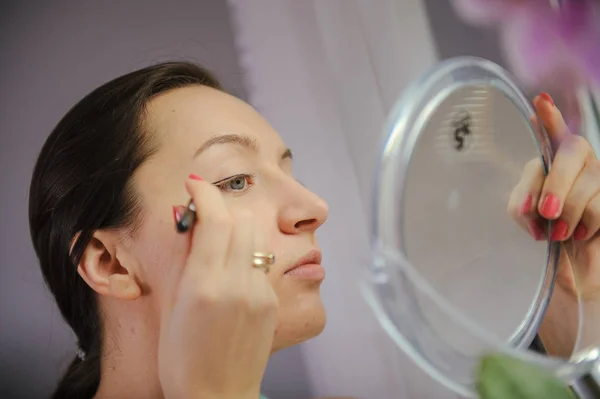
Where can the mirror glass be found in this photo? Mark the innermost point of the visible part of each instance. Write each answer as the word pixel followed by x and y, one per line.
pixel 455 228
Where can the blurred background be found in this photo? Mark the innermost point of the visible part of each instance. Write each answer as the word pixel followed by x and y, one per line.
pixel 339 65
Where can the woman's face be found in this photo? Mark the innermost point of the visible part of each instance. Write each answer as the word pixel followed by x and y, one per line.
pixel 214 135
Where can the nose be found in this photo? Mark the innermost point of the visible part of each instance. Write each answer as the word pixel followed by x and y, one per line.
pixel 302 211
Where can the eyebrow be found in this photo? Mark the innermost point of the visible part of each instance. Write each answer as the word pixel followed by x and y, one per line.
pixel 237 139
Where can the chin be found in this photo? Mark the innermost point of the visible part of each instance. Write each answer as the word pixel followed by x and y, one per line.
pixel 299 323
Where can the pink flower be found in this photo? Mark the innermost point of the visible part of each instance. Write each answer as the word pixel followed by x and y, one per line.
pixel 545 41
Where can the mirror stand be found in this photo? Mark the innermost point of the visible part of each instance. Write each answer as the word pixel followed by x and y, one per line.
pixel 585 372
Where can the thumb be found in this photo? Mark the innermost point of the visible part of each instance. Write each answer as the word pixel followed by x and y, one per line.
pixel 553 121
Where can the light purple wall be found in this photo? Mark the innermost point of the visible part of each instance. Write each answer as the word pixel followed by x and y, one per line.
pixel 51 54
pixel 453 38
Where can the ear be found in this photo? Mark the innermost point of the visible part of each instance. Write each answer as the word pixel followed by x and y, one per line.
pixel 100 267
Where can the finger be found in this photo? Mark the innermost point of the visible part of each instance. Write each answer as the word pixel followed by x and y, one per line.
pixel 526 193
pixel 260 245
pixel 585 187
pixel 242 242
pixel 535 226
pixel 552 119
pixel 524 197
pixel 266 291
pixel 538 228
pixel 570 159
pixel 212 231
pixel 513 210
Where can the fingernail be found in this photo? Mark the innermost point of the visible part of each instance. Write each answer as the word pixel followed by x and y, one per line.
pixel 550 206
pixel 535 230
pixel 177 212
pixel 546 97
pixel 559 230
pixel 526 206
pixel 195 177
pixel 580 232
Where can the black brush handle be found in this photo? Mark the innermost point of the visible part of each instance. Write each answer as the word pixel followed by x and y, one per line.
pixel 188 219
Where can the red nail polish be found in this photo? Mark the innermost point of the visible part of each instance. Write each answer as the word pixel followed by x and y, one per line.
pixel 535 230
pixel 195 177
pixel 559 230
pixel 176 213
pixel 547 98
pixel 550 206
pixel 526 206
pixel 580 232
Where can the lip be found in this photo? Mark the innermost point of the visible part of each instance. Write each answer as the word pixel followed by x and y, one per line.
pixel 313 257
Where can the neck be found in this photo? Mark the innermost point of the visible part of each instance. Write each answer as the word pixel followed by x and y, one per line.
pixel 129 367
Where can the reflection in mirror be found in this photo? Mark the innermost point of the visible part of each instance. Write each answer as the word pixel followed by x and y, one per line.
pixel 455 228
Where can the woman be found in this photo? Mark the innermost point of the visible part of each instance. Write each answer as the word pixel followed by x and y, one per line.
pixel 159 313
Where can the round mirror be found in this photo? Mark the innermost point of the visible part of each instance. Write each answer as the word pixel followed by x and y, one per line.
pixel 452 272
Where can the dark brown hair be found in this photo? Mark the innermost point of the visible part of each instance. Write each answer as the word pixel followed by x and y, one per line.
pixel 82 183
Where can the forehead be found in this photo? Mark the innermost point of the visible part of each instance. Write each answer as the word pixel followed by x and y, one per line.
pixel 187 117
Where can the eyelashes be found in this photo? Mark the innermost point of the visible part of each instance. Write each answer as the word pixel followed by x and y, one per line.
pixel 227 184
pixel 237 183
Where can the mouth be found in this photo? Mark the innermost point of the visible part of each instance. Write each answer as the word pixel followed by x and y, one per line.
pixel 307 267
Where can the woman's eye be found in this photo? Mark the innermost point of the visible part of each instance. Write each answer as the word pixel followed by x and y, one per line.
pixel 235 183
pixel 239 183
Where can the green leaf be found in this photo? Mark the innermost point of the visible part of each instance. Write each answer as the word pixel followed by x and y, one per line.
pixel 504 377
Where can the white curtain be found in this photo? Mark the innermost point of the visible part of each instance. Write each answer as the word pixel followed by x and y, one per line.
pixel 325 73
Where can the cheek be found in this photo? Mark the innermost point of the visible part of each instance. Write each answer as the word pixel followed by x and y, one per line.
pixel 161 252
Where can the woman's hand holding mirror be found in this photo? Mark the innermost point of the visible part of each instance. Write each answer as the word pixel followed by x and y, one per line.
pixel 569 196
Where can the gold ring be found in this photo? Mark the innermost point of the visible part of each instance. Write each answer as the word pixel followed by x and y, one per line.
pixel 262 260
